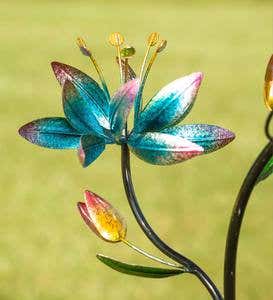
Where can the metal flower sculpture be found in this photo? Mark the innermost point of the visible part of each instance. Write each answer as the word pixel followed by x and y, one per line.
pixel 93 119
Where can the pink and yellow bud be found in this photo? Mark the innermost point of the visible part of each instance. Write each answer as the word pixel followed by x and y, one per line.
pixel 102 218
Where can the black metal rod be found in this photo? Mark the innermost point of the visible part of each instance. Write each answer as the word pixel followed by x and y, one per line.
pixel 267 124
pixel 237 218
pixel 152 236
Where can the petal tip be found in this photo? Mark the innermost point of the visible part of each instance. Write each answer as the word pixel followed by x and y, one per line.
pixel 81 156
pixel 198 77
pixel 27 131
pixel 61 72
pixel 89 196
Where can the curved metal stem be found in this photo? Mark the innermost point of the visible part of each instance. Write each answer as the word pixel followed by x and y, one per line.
pixel 153 237
pixel 237 218
pixel 266 128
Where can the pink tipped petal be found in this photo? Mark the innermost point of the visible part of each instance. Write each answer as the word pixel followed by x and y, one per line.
pixel 85 215
pixel 121 105
pixel 84 83
pixel 163 149
pixel 170 105
pixel 90 149
pixel 54 133
pixel 108 222
pixel 210 137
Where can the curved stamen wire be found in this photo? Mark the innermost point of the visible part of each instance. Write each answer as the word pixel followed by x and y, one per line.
pixel 143 78
pixel 85 51
pixel 151 41
pixel 116 39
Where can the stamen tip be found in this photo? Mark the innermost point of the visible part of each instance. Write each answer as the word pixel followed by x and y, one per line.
pixel 161 46
pixel 116 39
pixel 83 47
pixel 153 39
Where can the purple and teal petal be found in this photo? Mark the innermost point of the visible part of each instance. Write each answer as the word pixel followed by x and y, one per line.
pixel 82 114
pixel 54 133
pixel 120 106
pixel 209 137
pixel 162 149
pixel 90 149
pixel 84 83
pixel 170 105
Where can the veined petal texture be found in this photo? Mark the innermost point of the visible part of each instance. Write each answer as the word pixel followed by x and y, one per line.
pixel 90 149
pixel 162 149
pixel 121 105
pixel 55 133
pixel 210 137
pixel 81 112
pixel 84 83
pixel 110 225
pixel 170 105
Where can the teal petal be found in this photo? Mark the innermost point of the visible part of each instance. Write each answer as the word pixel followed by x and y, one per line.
pixel 162 149
pixel 170 105
pixel 121 105
pixel 210 137
pixel 90 149
pixel 84 83
pixel 55 133
pixel 82 114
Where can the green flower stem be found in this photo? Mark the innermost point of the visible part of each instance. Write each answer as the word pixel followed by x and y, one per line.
pixel 157 259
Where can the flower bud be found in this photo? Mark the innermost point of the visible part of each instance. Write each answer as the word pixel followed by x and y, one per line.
pixel 102 218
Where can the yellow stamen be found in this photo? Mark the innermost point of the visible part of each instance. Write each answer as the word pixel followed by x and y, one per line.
pixel 151 41
pixel 85 51
pixel 116 39
pixel 159 49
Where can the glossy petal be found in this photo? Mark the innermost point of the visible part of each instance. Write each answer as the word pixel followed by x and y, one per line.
pixel 85 215
pixel 108 223
pixel 55 133
pixel 121 105
pixel 82 114
pixel 162 149
pixel 267 171
pixel 90 149
pixel 210 137
pixel 268 85
pixel 136 270
pixel 170 105
pixel 84 83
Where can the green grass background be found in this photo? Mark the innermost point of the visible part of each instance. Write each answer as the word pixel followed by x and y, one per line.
pixel 46 251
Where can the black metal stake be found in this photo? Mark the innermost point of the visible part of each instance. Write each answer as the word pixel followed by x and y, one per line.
pixel 237 218
pixel 152 236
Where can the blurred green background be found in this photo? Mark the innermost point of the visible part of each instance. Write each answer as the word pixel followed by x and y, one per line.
pixel 46 251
